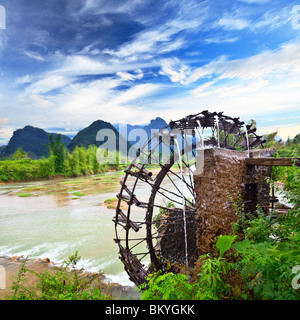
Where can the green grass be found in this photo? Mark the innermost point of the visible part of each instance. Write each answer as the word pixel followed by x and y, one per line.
pixel 24 195
pixel 72 182
pixel 79 194
pixel 34 188
pixel 110 201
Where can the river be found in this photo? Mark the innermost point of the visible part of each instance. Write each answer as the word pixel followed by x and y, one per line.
pixel 53 219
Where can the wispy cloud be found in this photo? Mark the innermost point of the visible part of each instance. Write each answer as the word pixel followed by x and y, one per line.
pixel 221 39
pixel 3 121
pixel 255 1
pixel 232 23
pixel 229 90
pixel 47 84
pixel 262 84
pixel 272 19
pixel 34 55
pixel 36 101
pixel 164 36
pixel 126 76
pixel 150 43
pixel 284 131
pixel 175 70
pixel 264 65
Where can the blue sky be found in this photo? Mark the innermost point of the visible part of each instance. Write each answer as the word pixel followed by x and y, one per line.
pixel 67 63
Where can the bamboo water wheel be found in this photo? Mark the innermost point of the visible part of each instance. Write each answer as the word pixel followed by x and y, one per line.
pixel 155 214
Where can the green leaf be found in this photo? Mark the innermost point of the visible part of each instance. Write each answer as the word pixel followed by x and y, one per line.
pixel 241 245
pixel 224 243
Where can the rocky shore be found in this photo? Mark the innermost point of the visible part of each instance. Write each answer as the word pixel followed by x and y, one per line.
pixel 11 266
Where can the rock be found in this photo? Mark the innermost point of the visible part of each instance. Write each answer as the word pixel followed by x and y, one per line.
pixel 46 260
pixel 17 258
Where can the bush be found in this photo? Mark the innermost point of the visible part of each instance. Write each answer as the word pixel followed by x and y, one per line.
pixel 168 286
pixel 65 284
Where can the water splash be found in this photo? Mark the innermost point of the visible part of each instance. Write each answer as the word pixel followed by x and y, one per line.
pixel 201 136
pixel 247 137
pixel 183 201
pixel 218 128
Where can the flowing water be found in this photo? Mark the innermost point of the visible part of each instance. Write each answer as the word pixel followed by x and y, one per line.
pixel 247 138
pixel 183 201
pixel 59 218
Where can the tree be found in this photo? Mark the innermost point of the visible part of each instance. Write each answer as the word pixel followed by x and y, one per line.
pixel 58 150
pixel 296 140
pixel 270 140
pixel 253 123
pixel 19 154
pixel 288 142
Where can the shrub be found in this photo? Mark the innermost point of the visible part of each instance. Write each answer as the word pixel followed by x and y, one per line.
pixel 64 284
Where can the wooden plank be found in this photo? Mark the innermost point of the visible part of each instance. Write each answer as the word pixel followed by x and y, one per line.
pixel 124 218
pixel 272 161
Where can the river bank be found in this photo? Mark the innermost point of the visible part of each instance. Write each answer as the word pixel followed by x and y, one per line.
pixel 11 266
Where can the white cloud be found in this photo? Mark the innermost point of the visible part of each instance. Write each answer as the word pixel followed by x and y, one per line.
pixel 147 42
pixel 151 42
pixel 24 79
pixel 81 65
pixel 34 55
pixel 85 98
pixel 273 19
pixel 255 1
pixel 102 7
pixel 284 131
pixel 3 121
pixel 266 65
pixel 100 100
pixel 129 76
pixel 263 100
pixel 47 84
pixel 137 92
pixel 175 70
pixel 258 86
pixel 5 134
pixel 232 23
pixel 37 101
pixel 221 39
pixel 229 90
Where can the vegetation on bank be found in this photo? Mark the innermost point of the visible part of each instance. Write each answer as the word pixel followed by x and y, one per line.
pixel 66 283
pixel 262 266
pixel 82 161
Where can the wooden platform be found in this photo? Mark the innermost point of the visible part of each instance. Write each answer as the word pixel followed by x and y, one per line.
pixel 273 162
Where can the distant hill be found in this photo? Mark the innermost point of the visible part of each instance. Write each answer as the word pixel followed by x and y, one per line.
pixel 155 124
pixel 88 135
pixel 31 139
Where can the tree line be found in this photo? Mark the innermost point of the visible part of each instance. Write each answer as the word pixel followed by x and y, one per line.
pixel 61 162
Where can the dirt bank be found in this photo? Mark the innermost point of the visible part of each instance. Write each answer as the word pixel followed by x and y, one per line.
pixel 11 266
